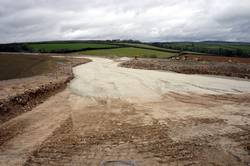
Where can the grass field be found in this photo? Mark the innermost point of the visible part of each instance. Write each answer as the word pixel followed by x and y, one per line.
pixel 147 46
pixel 212 48
pixel 50 47
pixel 18 66
pixel 123 48
pixel 129 52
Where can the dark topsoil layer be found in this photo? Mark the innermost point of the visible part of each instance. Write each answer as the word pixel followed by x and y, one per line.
pixel 191 64
pixel 21 95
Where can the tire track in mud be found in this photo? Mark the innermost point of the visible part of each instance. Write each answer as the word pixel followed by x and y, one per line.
pixel 8 132
pixel 22 135
pixel 106 134
pixel 208 100
pixel 116 139
pixel 93 129
pixel 49 149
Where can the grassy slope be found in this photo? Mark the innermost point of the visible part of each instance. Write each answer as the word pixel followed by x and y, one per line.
pixel 130 52
pixel 18 66
pixel 47 47
pixel 139 45
pixel 174 47
pixel 229 46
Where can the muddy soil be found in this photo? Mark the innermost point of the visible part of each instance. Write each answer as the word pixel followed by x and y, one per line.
pixel 190 64
pixel 21 95
pixel 210 58
pixel 112 113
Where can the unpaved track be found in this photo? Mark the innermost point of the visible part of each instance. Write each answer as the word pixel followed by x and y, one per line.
pixel 151 117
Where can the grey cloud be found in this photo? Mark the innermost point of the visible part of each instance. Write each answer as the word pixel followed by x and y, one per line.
pixel 147 20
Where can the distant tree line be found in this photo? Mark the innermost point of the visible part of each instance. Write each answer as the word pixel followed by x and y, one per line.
pixel 123 41
pixel 23 47
pixel 15 47
pixel 219 49
pixel 72 50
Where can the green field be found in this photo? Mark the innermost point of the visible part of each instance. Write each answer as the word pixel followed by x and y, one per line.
pixel 148 46
pixel 129 52
pixel 212 48
pixel 18 66
pixel 126 48
pixel 55 47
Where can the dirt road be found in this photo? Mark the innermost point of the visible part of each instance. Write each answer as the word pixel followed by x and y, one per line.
pixel 150 117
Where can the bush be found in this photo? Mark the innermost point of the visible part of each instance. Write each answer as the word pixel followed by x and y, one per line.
pixel 152 56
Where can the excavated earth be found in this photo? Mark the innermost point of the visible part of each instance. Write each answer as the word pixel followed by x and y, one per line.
pixel 193 64
pixel 21 95
pixel 149 117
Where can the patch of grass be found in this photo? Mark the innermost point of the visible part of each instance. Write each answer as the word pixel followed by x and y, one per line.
pixel 148 46
pixel 54 47
pixel 211 48
pixel 19 66
pixel 130 52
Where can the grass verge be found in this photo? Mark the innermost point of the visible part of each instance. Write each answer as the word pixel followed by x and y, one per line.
pixel 60 47
pixel 129 52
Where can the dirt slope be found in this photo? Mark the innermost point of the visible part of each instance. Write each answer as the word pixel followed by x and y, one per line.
pixel 187 64
pixel 22 94
pixel 150 117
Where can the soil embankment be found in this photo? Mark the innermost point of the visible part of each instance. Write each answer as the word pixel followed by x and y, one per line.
pixel 149 117
pixel 21 95
pixel 233 67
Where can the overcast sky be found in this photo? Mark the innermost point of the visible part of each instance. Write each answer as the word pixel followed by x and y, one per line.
pixel 146 20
